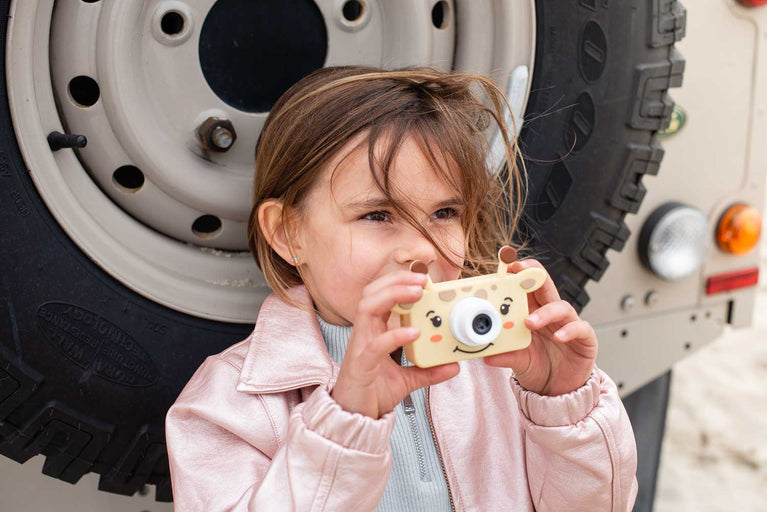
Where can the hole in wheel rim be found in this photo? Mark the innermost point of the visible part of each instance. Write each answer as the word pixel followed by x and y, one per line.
pixel 206 226
pixel 353 10
pixel 172 23
pixel 128 178
pixel 439 14
pixel 252 52
pixel 84 90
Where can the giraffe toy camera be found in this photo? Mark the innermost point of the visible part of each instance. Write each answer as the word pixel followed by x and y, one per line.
pixel 473 317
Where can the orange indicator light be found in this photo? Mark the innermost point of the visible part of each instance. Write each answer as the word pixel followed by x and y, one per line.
pixel 739 229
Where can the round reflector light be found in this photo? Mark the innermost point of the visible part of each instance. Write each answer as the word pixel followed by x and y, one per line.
pixel 739 229
pixel 674 241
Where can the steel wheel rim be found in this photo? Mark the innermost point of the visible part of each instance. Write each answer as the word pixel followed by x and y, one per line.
pixel 143 236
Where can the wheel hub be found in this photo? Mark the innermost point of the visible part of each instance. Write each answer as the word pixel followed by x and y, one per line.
pixel 252 52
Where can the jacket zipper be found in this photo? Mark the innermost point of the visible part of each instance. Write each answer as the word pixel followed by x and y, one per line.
pixel 407 404
pixel 439 452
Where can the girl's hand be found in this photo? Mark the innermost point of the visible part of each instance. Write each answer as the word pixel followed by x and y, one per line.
pixel 370 382
pixel 561 356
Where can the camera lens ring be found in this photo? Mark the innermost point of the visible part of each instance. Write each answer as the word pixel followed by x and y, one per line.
pixel 463 316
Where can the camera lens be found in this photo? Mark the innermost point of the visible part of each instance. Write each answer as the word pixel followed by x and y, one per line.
pixel 475 322
pixel 482 324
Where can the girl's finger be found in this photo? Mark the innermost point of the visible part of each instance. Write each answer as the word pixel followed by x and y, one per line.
pixel 366 353
pixel 380 304
pixel 404 277
pixel 553 312
pixel 546 293
pixel 417 378
pixel 390 341
pixel 579 330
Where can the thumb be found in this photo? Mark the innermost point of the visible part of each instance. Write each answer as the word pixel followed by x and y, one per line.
pixel 518 360
pixel 417 378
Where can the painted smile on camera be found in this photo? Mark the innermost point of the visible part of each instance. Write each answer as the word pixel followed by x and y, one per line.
pixel 456 349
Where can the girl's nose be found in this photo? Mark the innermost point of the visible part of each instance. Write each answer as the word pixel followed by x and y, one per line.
pixel 412 246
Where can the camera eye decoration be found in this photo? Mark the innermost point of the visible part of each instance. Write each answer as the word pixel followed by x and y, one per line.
pixel 484 315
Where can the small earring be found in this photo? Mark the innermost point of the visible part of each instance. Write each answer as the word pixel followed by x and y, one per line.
pixel 296 259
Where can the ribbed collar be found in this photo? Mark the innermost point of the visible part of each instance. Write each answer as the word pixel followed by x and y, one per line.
pixel 336 338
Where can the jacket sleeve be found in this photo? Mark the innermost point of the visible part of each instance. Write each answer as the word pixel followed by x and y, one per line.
pixel 580 448
pixel 218 439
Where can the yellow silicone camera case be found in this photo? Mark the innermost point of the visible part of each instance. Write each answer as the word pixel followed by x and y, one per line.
pixel 473 317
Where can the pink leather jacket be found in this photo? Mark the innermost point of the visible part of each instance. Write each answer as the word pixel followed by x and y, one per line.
pixel 256 429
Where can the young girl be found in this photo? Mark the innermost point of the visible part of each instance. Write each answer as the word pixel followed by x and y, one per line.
pixel 360 172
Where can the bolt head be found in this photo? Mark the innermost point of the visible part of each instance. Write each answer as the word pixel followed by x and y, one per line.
pixel 222 138
pixel 651 298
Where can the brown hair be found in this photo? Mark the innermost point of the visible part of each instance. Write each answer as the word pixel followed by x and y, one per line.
pixel 319 114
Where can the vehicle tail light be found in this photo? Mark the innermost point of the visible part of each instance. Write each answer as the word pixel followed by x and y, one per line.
pixel 675 241
pixel 732 280
pixel 739 229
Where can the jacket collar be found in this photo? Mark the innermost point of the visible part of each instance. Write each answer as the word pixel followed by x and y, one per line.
pixel 286 349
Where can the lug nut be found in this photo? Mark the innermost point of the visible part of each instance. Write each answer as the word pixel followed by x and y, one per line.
pixel 217 134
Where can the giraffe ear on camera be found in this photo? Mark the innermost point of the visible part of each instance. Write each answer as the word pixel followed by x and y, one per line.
pixel 530 279
pixel 420 267
pixel 506 256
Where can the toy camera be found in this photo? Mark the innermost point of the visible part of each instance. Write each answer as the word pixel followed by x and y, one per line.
pixel 473 317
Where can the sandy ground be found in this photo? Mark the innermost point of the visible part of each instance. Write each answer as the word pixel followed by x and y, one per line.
pixel 714 456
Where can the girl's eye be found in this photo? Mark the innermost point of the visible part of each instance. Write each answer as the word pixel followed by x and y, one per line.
pixel 504 309
pixel 436 321
pixel 377 216
pixel 445 213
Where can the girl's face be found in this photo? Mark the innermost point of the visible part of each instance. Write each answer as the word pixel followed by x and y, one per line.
pixel 350 235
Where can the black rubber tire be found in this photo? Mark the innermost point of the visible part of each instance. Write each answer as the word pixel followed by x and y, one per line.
pixel 599 94
pixel 66 326
pixel 89 368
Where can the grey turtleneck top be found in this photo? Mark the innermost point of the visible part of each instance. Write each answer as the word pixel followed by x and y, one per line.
pixel 416 482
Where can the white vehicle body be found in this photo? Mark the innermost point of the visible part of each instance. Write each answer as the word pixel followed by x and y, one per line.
pixel 718 158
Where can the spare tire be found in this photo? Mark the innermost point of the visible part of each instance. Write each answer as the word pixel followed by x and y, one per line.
pixel 89 366
pixel 598 97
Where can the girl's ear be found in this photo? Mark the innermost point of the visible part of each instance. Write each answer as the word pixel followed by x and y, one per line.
pixel 280 235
